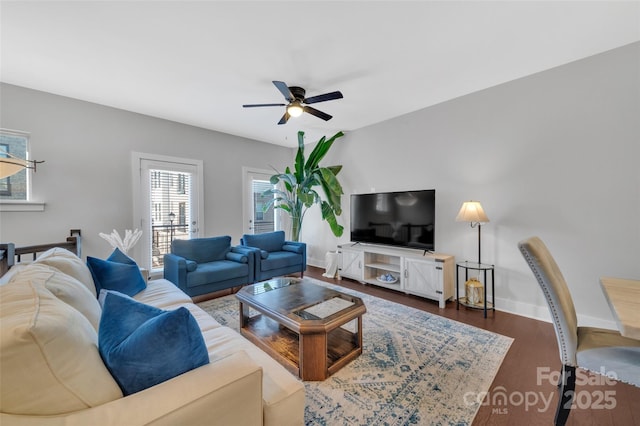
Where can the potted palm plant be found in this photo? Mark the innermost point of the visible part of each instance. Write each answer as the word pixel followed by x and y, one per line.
pixel 296 191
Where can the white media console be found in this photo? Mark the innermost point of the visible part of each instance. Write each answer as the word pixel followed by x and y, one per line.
pixel 412 271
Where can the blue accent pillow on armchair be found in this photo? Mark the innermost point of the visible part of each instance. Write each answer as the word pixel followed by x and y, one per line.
pixel 269 241
pixel 142 345
pixel 202 250
pixel 119 272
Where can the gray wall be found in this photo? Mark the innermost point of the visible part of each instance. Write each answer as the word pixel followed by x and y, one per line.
pixel 555 155
pixel 86 180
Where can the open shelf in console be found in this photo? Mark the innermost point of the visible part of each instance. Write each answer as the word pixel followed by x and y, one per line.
pixel 378 265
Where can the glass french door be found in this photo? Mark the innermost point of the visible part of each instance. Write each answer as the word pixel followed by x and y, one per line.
pixel 256 219
pixel 168 205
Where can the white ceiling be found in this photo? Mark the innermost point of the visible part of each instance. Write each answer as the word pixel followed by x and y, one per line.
pixel 198 62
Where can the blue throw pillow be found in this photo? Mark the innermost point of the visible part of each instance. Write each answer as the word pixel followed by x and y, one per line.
pixel 191 265
pixel 142 345
pixel 118 256
pixel 293 248
pixel 237 257
pixel 202 250
pixel 119 272
pixel 269 241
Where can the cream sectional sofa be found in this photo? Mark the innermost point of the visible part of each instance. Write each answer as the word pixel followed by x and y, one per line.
pixel 51 372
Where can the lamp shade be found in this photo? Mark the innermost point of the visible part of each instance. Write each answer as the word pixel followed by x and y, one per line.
pixel 10 166
pixel 471 211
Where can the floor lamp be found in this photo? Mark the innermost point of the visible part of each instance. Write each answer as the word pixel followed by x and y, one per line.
pixel 472 212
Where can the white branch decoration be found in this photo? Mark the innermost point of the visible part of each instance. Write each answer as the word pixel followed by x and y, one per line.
pixel 130 239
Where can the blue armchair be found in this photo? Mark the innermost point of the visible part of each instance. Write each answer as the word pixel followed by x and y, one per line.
pixel 204 265
pixel 274 256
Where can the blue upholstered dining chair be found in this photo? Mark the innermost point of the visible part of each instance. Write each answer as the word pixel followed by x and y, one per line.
pixel 274 255
pixel 594 349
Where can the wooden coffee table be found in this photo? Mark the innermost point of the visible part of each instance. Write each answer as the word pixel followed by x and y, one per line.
pixel 311 330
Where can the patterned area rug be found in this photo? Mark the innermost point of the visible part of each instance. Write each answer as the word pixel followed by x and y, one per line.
pixel 415 368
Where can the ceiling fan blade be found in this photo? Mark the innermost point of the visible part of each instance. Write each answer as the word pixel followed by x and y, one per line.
pixel 261 105
pixel 317 113
pixel 284 118
pixel 284 89
pixel 325 97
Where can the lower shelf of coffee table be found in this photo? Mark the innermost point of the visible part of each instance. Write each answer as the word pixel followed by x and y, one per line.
pixel 283 344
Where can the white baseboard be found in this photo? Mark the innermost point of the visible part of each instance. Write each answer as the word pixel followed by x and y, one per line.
pixel 542 313
pixel 318 263
pixel 519 308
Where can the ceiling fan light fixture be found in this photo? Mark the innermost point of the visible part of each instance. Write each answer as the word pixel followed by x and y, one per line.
pixel 295 109
pixel 297 103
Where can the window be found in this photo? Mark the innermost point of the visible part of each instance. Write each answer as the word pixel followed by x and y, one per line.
pixel 17 186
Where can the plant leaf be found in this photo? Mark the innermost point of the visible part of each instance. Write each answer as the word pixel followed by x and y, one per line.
pixel 330 217
pixel 332 190
pixel 299 166
pixel 320 150
pixel 334 169
pixel 316 155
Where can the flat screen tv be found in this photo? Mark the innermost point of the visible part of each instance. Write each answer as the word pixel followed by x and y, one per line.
pixel 403 218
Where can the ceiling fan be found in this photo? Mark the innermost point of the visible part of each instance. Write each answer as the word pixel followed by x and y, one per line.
pixel 298 103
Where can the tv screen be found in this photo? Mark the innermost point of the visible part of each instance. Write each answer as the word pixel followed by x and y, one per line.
pixel 404 218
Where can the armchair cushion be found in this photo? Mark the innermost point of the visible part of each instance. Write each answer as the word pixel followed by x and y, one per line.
pixel 191 265
pixel 237 257
pixel 143 345
pixel 270 241
pixel 202 250
pixel 293 248
pixel 212 272
pixel 112 274
pixel 281 259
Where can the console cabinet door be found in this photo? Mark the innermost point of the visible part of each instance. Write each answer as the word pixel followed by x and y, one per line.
pixel 351 264
pixel 423 278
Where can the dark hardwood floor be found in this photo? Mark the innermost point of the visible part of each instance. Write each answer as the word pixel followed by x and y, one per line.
pixel 522 393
